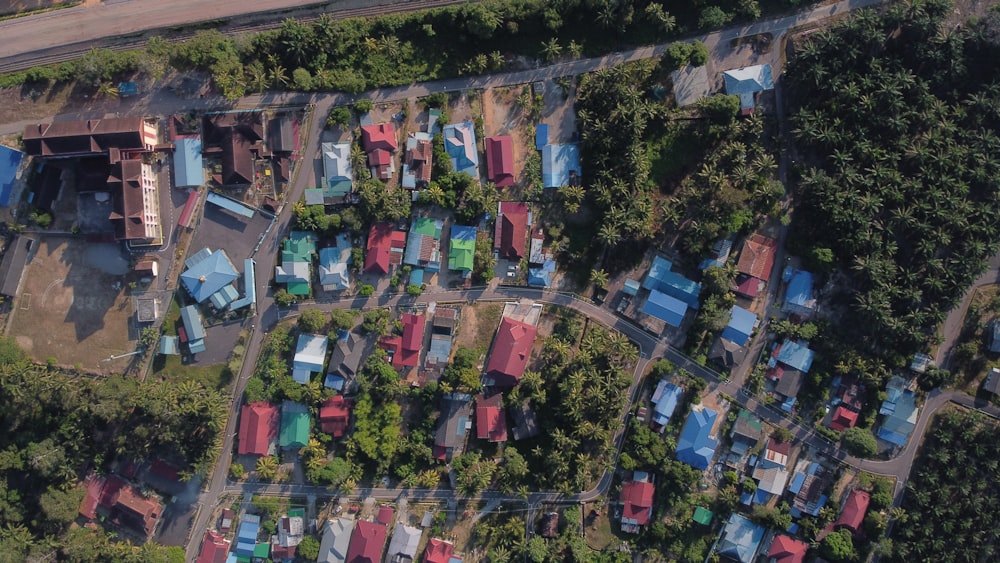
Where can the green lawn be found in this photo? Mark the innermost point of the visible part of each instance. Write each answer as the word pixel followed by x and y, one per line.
pixel 170 369
pixel 679 145
pixel 487 321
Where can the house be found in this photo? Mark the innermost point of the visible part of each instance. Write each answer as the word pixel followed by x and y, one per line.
pixel 660 278
pixel 550 525
pixel 214 548
pixel 491 424
pixel 992 382
pixel 170 345
pixel 637 502
pixel 454 426
pixel 335 541
pixel 334 416
pixel 843 418
pixel 258 429
pixel 385 248
pixel 246 535
pixel 310 354
pixel 193 329
pixel 291 528
pixel 404 351
pixel 536 252
pixel 384 514
pixel 785 549
pixel 560 165
pixel 511 231
pixel 799 298
pixel 440 551
pixel 116 501
pixel 226 520
pixel 379 142
pixel 500 160
pixel 337 171
pixel 10 164
pixel 135 211
pixel 15 258
pixel 403 545
pixel 417 161
pixel 423 244
pixel 237 137
pixel 746 433
pixel 795 355
pixel 541 276
pixel 719 256
pixel 334 265
pixel 757 260
pixel 746 82
pixel 460 144
pixel 702 516
pixel 367 542
pixel 296 261
pixel 68 139
pixel 810 480
pixel 189 167
pixel 510 352
pixel 775 454
pixel 726 353
pixel 463 248
pixel 524 420
pixel 788 386
pixel 442 330
pixel 740 539
pixel 668 309
pixel 665 398
pixel 207 273
pixel 770 470
pixel 696 447
pixel 741 325
pixel 294 430
pixel 281 136
pixel 852 514
pixel 345 360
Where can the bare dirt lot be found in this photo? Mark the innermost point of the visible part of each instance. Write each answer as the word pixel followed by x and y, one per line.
pixel 503 116
pixel 558 110
pixel 69 308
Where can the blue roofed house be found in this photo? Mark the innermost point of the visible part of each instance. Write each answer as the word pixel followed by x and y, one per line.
pixel 10 163
pixel 207 273
pixel 337 171
pixel 246 535
pixel 740 327
pixel 660 278
pixel 746 82
pixel 665 308
pixel 560 165
pixel 799 298
pixel 740 539
pixel 194 329
pixel 310 354
pixel 541 136
pixel 665 398
pixel 795 355
pixel 696 446
pixel 334 265
pixel 899 411
pixel 541 276
pixel 189 169
pixel 460 144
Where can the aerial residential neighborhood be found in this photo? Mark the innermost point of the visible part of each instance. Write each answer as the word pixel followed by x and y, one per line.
pixel 489 281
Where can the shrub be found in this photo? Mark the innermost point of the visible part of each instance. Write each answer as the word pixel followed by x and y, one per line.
pixel 859 442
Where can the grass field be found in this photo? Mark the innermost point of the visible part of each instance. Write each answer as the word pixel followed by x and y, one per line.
pixel 170 369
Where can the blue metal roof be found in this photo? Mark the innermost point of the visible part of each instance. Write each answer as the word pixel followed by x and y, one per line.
pixel 799 293
pixel 695 447
pixel 10 160
pixel 542 276
pixel 222 298
pixel 188 164
pixel 741 323
pixel 460 144
pixel 192 323
pixel 660 267
pixel 417 276
pixel 230 205
pixel 666 308
pixel 169 346
pixel 249 286
pixel 747 81
pixel 541 136
pixel 246 536
pixel 667 402
pixel 795 355
pixel 209 275
pixel 557 162
pixel 740 539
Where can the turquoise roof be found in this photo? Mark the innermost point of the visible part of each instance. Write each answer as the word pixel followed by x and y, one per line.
pixel 661 279
pixel 796 355
pixel 209 275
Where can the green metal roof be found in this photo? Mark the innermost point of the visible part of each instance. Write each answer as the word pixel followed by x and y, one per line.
pixel 427 226
pixel 300 247
pixel 298 288
pixel 463 248
pixel 702 516
pixel 294 425
pixel 262 550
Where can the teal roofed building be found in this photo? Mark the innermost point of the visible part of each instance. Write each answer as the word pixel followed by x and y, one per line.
pixel 740 539
pixel 207 273
pixel 460 144
pixel 296 262
pixel 661 279
pixel 463 248
pixel 423 244
pixel 193 333
pixel 294 430
pixel 337 171
pixel 696 446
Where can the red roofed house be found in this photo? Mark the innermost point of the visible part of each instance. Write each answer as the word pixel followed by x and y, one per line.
pixel 511 349
pixel 413 339
pixel 853 512
pixel 366 544
pixel 500 160
pixel 121 503
pixel 385 248
pixel 379 141
pixel 258 428
pixel 490 421
pixel 787 550
pixel 334 415
pixel 511 233
pixel 214 548
pixel 843 418
pixel 757 257
pixel 438 551
pixel 637 502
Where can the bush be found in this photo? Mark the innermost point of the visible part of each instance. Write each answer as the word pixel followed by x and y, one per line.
pixel 283 299
pixel 342 319
pixel 699 54
pixel 364 105
pixel 713 17
pixel 859 442
pixel 339 117
pixel 838 546
pixel 720 108
pixel 308 549
pixel 366 290
pixel 312 321
pixel 414 290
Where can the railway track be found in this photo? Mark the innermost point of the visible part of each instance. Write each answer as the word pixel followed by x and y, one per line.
pixel 66 53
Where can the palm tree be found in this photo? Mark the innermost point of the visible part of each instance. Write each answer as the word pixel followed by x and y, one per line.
pixel 551 49
pixel 599 278
pixel 107 90
pixel 267 467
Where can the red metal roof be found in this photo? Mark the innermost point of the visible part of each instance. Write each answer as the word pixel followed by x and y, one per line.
pixel 94 486
pixel 748 286
pixel 637 496
pixel 381 136
pixel 854 510
pixel 757 256
pixel 413 339
pixel 394 346
pixel 185 218
pixel 334 416
pixel 382 239
pixel 843 418
pixel 258 427
pixel 438 551
pixel 214 548
pixel 384 515
pixel 491 424
pixel 367 541
pixel 511 349
pixel 500 160
pixel 512 229
pixel 787 550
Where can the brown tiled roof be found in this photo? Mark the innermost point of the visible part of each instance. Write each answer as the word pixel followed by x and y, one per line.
pixel 237 134
pixel 419 160
pixel 757 256
pixel 75 138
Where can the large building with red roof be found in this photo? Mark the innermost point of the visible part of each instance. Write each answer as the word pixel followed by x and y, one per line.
pixel 214 548
pixel 637 502
pixel 367 542
pixel 379 141
pixel 258 429
pixel 385 248
pixel 511 233
pixel 121 503
pixel 334 416
pixel 853 512
pixel 500 160
pixel 491 423
pixel 439 551
pixel 511 349
pixel 785 549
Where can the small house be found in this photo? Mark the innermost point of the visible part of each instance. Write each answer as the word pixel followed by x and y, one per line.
pixel 500 160
pixel 665 308
pixel 336 539
pixel 440 551
pixel 637 502
pixel 403 545
pixel 367 542
pixel 665 399
pixel 385 248
pixel 193 332
pixel 746 433
pixel 423 244
pixel 460 144
pixel 799 298
pixel 511 231
pixel 294 430
pixel 337 172
pixel 334 416
pixel 491 424
pixel 310 355
pixel 741 325
pixel 379 142
pixel 785 549
pixel 462 248
pixel 843 418
pixel 296 263
pixel 746 82
pixel 258 429
pixel 510 352
pixel 661 278
pixel 852 513
pixel 560 165
pixel 453 427
pixel 334 265
pixel 214 548
pixel 756 261
pixel 740 539
pixel 417 161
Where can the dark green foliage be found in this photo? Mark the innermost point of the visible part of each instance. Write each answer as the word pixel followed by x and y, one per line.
pixel 720 108
pixel 461 374
pixel 838 546
pixel 859 442
pixel 315 218
pixel 308 548
pixel 378 203
pixel 312 321
pixel 342 319
pixel 339 117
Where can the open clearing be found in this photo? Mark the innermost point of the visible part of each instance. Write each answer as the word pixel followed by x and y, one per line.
pixel 69 307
